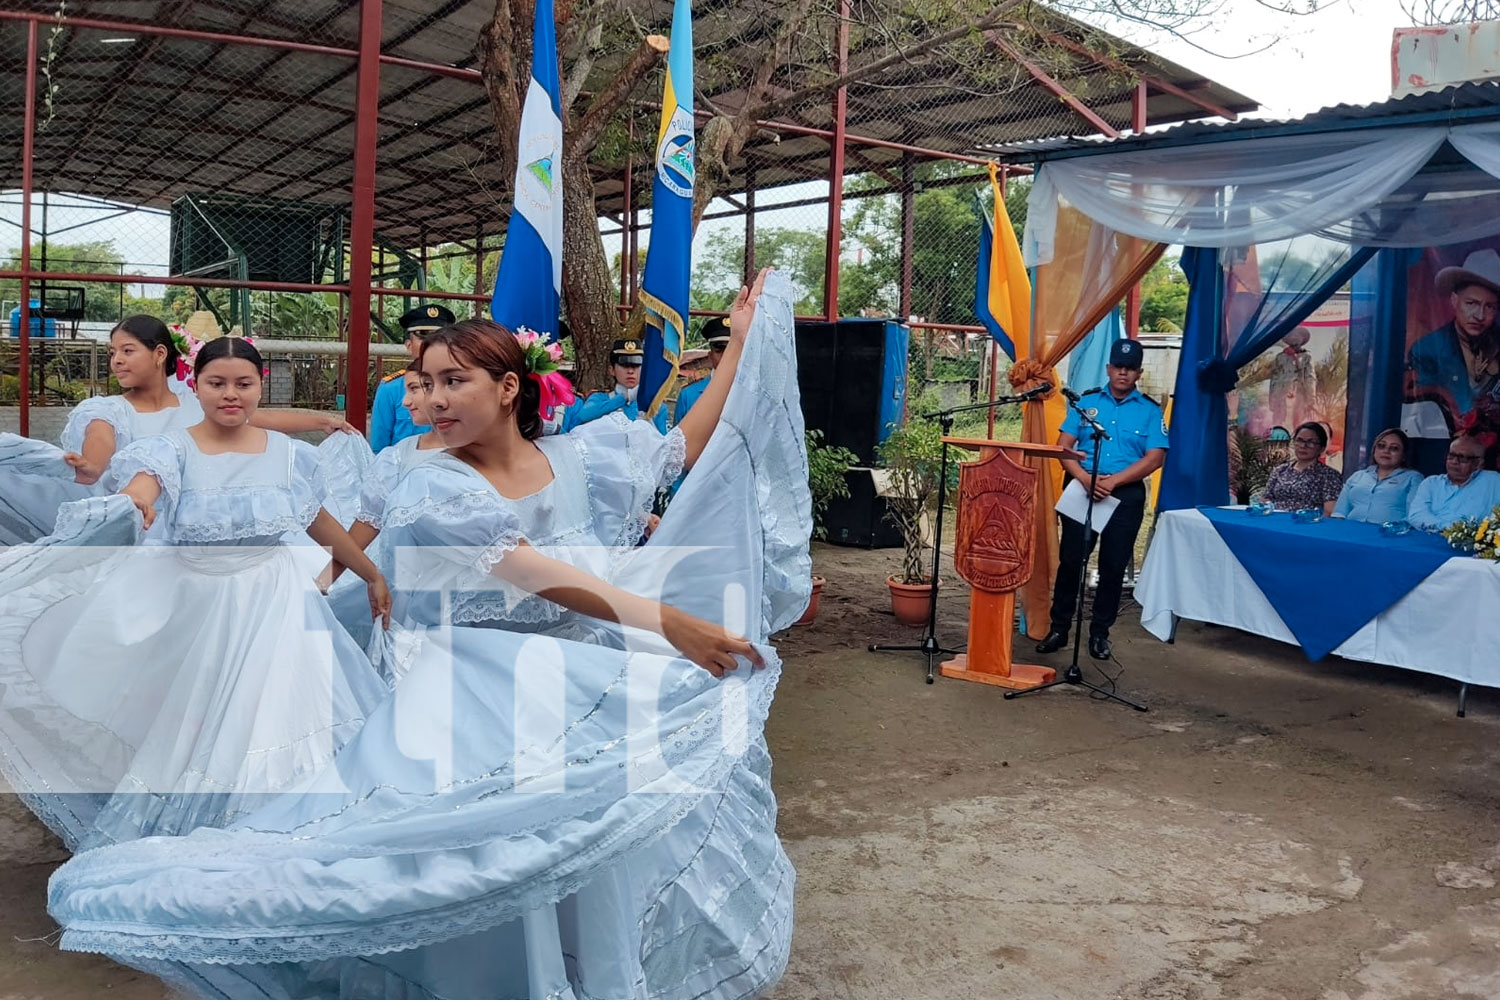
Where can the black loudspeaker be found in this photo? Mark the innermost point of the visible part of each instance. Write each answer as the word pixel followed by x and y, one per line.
pixel 852 375
pixel 859 519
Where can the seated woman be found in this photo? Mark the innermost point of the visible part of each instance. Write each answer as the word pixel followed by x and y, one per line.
pixel 1383 491
pixel 1305 482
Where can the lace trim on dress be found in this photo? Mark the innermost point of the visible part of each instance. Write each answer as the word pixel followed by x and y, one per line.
pixel 233 530
pixel 454 508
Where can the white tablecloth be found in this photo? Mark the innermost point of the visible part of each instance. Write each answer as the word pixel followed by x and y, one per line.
pixel 1449 625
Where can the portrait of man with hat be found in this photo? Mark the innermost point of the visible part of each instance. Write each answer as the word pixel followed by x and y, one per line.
pixel 626 358
pixel 389 420
pixel 716 336
pixel 1455 365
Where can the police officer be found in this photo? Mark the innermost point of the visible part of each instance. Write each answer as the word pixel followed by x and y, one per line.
pixel 389 420
pixel 626 358
pixel 1136 447
pixel 716 333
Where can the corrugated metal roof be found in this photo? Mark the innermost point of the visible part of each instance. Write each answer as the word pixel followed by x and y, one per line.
pixel 1463 102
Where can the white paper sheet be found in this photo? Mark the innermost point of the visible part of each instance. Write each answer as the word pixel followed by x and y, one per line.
pixel 1074 503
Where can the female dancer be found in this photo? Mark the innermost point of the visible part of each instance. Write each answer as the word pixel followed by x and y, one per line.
pixel 35 478
pixel 155 689
pixel 528 815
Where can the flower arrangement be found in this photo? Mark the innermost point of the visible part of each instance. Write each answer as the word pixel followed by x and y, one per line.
pixel 1477 536
pixel 542 359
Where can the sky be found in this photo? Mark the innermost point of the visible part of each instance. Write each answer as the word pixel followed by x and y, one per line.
pixel 1291 64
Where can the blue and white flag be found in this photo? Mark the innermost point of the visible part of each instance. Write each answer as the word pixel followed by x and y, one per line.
pixel 669 258
pixel 528 287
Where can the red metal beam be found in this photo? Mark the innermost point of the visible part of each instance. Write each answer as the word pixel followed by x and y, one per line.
pixel 908 233
pixel 749 221
pixel 115 278
pixel 362 221
pixel 836 173
pixel 1063 94
pixel 28 138
pixel 628 198
pixel 1156 82
pixel 135 27
pixel 1139 109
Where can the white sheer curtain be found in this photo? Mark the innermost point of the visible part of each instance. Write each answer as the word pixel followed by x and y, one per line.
pixel 1366 187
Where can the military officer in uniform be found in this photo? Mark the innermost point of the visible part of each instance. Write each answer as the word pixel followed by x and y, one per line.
pixel 716 333
pixel 389 420
pixel 1136 447
pixel 625 360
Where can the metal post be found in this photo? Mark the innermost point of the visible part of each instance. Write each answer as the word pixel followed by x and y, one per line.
pixel 478 263
pixel 626 216
pixel 1133 299
pixel 362 224
pixel 836 173
pixel 28 139
pixel 908 232
pixel 749 222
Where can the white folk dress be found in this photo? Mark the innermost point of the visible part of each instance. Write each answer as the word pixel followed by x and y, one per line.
pixel 152 689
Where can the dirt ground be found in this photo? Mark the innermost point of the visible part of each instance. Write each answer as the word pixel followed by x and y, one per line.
pixel 1270 830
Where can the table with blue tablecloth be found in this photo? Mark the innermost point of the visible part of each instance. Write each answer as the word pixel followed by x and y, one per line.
pixel 1329 586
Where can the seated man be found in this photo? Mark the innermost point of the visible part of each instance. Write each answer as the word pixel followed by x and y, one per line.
pixel 1464 491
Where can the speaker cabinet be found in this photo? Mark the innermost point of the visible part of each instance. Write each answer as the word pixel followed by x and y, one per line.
pixel 859 520
pixel 852 375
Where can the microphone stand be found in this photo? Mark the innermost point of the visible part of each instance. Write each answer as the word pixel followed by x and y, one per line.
pixel 929 646
pixel 1074 675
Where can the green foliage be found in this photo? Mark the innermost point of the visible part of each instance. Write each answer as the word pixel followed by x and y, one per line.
pixel 913 456
pixel 1164 295
pixel 826 465
pixel 1251 459
pixel 101 301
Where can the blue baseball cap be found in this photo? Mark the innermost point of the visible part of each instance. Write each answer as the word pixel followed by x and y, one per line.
pixel 1125 354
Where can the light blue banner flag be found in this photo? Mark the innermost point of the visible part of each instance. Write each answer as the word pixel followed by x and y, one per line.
pixel 669 258
pixel 528 287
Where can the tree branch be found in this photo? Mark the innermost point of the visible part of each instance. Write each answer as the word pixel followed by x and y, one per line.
pixel 583 65
pixel 772 108
pixel 652 49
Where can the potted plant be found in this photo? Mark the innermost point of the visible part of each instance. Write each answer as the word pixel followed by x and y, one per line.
pixel 826 465
pixel 912 456
pixel 1251 459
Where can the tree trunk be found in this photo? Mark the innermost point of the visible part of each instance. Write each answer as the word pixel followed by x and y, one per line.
pixel 588 287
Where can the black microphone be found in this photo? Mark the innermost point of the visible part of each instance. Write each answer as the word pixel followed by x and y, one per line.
pixel 1072 395
pixel 1031 394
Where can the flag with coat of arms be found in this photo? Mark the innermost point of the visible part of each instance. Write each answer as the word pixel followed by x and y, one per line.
pixel 528 287
pixel 669 257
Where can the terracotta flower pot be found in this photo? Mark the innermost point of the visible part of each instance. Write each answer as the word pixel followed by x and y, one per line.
pixel 812 602
pixel 910 602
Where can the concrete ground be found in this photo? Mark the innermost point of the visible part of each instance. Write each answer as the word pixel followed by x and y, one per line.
pixel 1270 830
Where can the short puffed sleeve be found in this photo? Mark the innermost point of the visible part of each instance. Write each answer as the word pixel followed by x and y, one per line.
pixel 160 455
pixel 378 485
pixel 112 410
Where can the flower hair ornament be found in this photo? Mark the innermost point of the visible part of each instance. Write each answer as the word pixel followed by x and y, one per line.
pixel 540 364
pixel 188 347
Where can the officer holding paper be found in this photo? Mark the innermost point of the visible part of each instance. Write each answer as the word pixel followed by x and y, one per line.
pixel 1136 447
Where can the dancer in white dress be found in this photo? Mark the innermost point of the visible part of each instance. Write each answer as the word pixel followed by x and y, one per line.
pixel 528 815
pixel 345 594
pixel 154 689
pixel 36 478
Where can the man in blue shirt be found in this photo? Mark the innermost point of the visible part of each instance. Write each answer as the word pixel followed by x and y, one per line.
pixel 1136 447
pixel 625 360
pixel 1463 491
pixel 389 420
pixel 716 333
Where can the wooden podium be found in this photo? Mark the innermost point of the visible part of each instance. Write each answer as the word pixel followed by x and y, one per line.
pixel 993 554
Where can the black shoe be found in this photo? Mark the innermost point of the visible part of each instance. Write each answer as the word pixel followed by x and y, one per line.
pixel 1054 641
pixel 1099 647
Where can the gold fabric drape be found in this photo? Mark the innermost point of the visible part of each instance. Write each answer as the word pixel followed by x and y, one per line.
pixel 1092 269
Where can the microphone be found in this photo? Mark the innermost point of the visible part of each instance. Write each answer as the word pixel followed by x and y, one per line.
pixel 1073 396
pixel 1031 394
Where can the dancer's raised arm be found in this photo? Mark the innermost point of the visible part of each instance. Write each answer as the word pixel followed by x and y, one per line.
pixel 698 426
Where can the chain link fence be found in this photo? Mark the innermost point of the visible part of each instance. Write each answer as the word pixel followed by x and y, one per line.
pixel 225 162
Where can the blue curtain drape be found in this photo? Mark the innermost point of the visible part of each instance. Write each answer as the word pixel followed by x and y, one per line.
pixel 1377 352
pixel 1292 287
pixel 1194 452
pixel 1086 363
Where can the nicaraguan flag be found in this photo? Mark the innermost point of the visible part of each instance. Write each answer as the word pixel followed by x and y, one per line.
pixel 528 287
pixel 669 258
pixel 1002 288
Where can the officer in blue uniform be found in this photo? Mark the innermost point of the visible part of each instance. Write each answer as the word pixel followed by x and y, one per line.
pixel 389 420
pixel 716 333
pixel 1136 447
pixel 625 360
